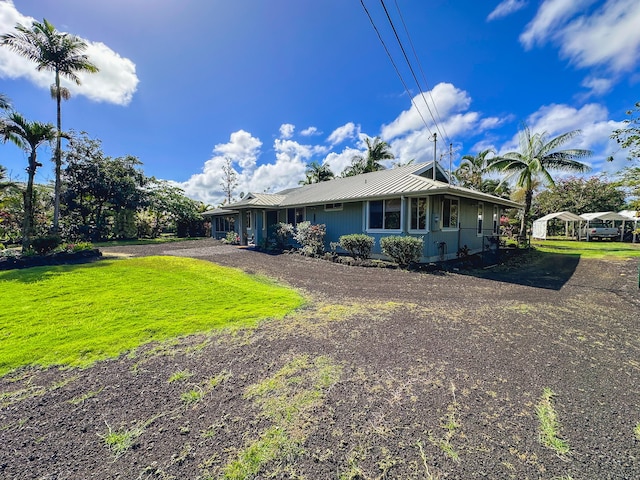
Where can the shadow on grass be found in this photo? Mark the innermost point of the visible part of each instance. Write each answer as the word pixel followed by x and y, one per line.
pixel 532 269
pixel 38 273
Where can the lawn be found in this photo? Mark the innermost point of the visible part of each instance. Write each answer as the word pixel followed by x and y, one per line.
pixel 77 314
pixel 602 249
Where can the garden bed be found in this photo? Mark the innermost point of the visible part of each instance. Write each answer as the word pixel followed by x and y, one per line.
pixel 58 258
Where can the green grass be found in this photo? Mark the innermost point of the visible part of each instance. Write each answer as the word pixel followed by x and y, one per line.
pixel 548 423
pixel 74 315
pixel 589 249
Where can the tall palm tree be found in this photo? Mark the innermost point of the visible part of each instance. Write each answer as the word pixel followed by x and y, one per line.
pixel 62 54
pixel 377 150
pixel 472 168
pixel 28 136
pixel 317 173
pixel 537 156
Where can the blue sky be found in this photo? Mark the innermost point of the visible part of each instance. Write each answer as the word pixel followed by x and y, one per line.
pixel 275 84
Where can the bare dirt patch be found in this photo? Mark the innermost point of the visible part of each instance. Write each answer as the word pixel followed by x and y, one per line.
pixel 432 375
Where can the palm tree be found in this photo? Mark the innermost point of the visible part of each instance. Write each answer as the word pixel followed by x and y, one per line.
pixel 472 168
pixel 60 53
pixel 317 173
pixel 377 150
pixel 28 136
pixel 537 156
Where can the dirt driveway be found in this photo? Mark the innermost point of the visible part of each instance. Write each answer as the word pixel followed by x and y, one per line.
pixel 405 375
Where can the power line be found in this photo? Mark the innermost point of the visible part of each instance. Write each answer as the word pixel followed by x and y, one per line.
pixel 406 58
pixel 395 66
pixel 424 78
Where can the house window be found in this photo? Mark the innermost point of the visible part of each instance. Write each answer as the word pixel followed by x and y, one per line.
pixel 419 213
pixel 295 215
pixel 385 214
pixel 496 220
pixel 450 209
pixel 248 220
pixel 332 207
pixel 225 224
pixel 480 215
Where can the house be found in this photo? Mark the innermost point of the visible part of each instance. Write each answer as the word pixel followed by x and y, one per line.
pixel 409 200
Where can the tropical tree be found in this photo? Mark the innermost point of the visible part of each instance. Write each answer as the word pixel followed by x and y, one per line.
pixel 28 136
pixel 472 168
pixel 377 151
pixel 629 137
pixel 580 195
pixel 538 155
pixel 102 194
pixel 317 173
pixel 62 54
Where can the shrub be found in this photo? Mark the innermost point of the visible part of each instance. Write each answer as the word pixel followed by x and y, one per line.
pixel 232 238
pixel 358 245
pixel 74 247
pixel 45 244
pixel 311 237
pixel 403 250
pixel 282 233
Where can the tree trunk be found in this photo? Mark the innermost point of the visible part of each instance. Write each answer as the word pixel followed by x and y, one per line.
pixel 27 222
pixel 528 199
pixel 58 160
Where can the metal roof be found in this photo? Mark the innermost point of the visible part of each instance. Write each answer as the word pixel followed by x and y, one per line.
pixel 406 181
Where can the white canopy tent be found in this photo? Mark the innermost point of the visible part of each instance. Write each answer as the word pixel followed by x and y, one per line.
pixel 541 224
pixel 633 216
pixel 606 217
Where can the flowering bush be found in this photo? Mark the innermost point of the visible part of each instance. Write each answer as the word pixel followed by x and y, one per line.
pixel 403 250
pixel 310 237
pixel 232 238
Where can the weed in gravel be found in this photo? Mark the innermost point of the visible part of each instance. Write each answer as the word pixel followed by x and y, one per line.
pixel 180 375
pixel 636 431
pixel 549 425
pixel 288 399
pixel 192 396
pixel 451 424
pixel 122 440
pixel 428 474
pixel 86 396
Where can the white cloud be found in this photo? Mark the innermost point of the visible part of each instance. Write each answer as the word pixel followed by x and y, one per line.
pixel 607 37
pixel 116 82
pixel 338 162
pixel 286 130
pixel 610 37
pixel 243 149
pixel 308 132
pixel 507 7
pixel 345 132
pixel 597 86
pixel 551 14
pixel 592 119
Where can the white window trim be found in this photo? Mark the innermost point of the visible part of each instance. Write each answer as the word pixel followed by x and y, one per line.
pixel 384 230
pixel 449 229
pixel 427 220
pixel 334 209
pixel 481 232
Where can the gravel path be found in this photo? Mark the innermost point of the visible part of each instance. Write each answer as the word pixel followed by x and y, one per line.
pixel 440 376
